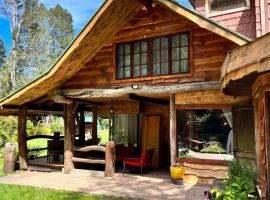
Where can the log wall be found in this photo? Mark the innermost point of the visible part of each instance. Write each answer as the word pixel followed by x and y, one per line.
pixel 208 52
pixel 261 121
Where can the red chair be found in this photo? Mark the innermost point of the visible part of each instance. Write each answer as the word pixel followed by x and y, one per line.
pixel 144 161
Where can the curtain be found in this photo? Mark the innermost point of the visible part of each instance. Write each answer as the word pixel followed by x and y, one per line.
pixel 125 129
pixel 228 116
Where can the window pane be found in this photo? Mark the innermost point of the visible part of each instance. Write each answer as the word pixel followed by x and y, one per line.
pixel 136 59
pixel 164 55
pixel 164 68
pixel 184 39
pixel 144 70
pixel 175 41
pixel 156 56
pixel 175 67
pixel 164 42
pixel 127 60
pixel 136 71
pixel 120 49
pixel 156 69
pixel 127 48
pixel 221 5
pixel 156 43
pixel 127 72
pixel 184 52
pixel 144 58
pixel 143 46
pixel 136 47
pixel 184 66
pixel 120 61
pixel 175 54
pixel 120 72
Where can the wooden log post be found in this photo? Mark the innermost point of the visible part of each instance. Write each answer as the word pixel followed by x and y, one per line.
pixel 69 137
pixel 94 126
pixel 173 141
pixel 82 129
pixel 109 159
pixel 22 120
pixel 9 158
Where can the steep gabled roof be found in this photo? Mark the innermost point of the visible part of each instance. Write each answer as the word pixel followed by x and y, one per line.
pixel 108 20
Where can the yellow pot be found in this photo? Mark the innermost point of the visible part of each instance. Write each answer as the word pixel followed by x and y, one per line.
pixel 177 173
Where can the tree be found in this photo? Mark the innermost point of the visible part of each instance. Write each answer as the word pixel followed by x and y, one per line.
pixel 61 30
pixel 2 53
pixel 39 36
pixel 14 10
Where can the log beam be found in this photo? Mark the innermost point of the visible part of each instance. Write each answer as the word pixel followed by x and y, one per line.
pixel 94 126
pixel 109 159
pixel 22 119
pixel 69 137
pixel 100 93
pixel 173 144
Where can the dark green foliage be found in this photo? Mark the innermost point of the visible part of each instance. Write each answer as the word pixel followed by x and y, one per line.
pixel 2 53
pixel 240 183
pixel 8 130
pixel 39 36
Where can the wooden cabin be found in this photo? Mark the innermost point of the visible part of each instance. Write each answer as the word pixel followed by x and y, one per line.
pixel 145 59
pixel 246 71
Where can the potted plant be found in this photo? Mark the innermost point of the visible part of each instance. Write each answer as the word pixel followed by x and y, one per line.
pixel 177 172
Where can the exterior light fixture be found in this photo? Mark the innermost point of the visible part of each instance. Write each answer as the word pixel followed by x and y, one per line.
pixel 136 86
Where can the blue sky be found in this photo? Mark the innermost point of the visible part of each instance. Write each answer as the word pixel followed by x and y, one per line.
pixel 81 10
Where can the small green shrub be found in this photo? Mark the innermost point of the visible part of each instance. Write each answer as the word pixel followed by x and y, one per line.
pixel 8 130
pixel 240 183
pixel 213 148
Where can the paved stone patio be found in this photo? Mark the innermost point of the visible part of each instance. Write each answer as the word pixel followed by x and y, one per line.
pixel 149 186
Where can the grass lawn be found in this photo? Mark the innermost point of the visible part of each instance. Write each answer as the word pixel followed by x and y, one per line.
pixel 104 136
pixel 36 144
pixel 14 192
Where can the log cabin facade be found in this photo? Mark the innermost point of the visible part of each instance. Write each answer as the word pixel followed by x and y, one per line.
pixel 143 58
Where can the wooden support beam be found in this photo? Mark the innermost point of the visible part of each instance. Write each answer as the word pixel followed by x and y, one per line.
pixel 147 99
pixel 22 119
pixel 173 141
pixel 94 126
pixel 109 159
pixel 30 112
pixel 69 137
pixel 82 128
pixel 101 93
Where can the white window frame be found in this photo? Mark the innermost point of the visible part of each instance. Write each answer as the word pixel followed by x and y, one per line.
pixel 210 13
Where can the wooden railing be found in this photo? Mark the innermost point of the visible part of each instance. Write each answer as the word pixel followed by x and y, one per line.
pixel 109 151
pixel 41 137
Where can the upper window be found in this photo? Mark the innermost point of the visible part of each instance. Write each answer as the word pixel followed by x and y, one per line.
pixel 153 57
pixel 219 7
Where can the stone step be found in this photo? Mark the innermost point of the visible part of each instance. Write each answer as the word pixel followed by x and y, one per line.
pixel 204 174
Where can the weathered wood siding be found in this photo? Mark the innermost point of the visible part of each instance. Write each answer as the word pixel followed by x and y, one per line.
pixel 243 129
pixel 208 51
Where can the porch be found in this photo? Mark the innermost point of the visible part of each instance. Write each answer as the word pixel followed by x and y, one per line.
pixel 155 185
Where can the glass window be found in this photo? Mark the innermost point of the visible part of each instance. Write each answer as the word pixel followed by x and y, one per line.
pixel 152 57
pixel 221 6
pixel 204 131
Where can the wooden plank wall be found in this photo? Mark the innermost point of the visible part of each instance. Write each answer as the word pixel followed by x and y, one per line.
pixel 208 51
